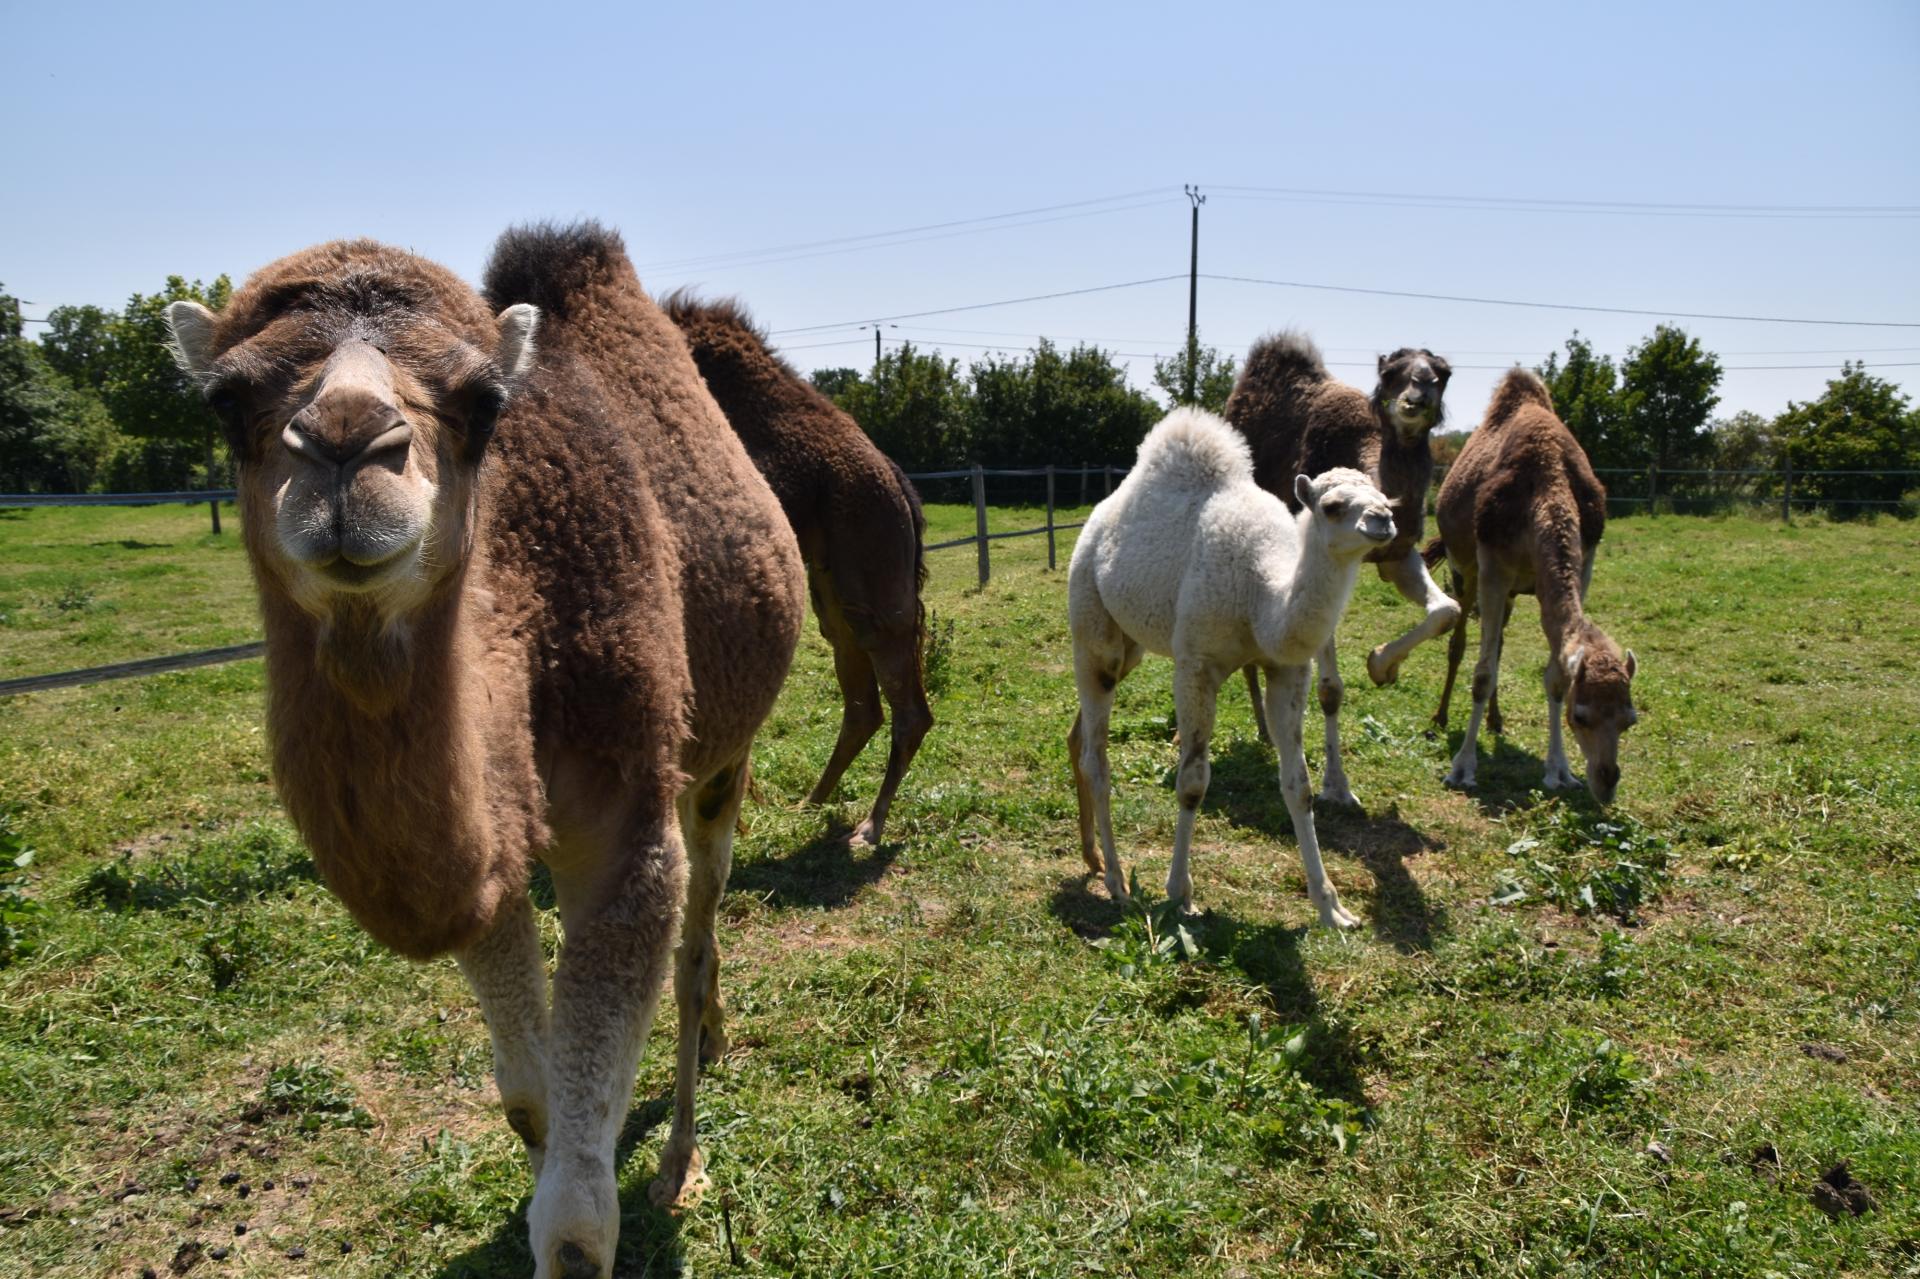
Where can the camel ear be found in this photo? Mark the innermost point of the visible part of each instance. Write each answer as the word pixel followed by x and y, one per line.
pixel 1303 489
pixel 514 351
pixel 1381 368
pixel 1630 666
pixel 192 328
pixel 1574 659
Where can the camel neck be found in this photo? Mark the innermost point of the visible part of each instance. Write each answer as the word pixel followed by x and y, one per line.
pixel 1559 565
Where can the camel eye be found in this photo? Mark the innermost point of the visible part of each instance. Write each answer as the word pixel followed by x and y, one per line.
pixel 1334 509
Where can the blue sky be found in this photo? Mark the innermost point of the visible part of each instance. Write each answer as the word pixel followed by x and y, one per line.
pixel 195 139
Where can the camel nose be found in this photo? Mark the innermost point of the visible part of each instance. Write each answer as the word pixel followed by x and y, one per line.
pixel 327 441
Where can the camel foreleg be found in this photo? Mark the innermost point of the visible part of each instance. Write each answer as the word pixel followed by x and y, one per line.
pixel 1558 775
pixel 618 912
pixel 1286 712
pixel 508 974
pixel 1410 577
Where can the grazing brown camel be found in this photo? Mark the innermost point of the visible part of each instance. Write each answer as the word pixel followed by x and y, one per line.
pixel 518 603
pixel 1302 422
pixel 860 528
pixel 1521 512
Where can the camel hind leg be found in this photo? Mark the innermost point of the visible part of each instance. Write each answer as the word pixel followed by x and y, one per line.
pixel 1252 674
pixel 896 660
pixel 1456 649
pixel 860 715
pixel 1097 672
pixel 1196 690
pixel 708 814
pixel 1334 788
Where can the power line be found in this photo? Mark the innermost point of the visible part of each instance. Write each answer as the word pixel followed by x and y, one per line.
pixel 981 306
pixel 1550 205
pixel 860 240
pixel 1564 306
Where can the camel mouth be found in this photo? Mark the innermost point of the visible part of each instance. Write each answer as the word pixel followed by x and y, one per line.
pixel 345 573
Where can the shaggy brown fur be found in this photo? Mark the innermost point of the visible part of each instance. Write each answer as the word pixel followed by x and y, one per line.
pixel 860 528
pixel 602 614
pixel 1521 512
pixel 1302 422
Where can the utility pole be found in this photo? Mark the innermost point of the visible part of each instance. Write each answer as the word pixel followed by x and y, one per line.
pixel 1193 299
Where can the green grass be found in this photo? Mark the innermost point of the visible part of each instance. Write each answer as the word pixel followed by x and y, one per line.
pixel 954 1057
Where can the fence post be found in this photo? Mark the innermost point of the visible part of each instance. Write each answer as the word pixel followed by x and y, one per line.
pixel 1786 494
pixel 1653 485
pixel 1109 492
pixel 980 517
pixel 1050 559
pixel 1083 484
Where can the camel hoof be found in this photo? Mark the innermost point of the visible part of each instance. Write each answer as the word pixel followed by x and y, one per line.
pixel 575 1262
pixel 1381 671
pixel 1338 917
pixel 1341 797
pixel 1460 779
pixel 681 1182
pixel 865 833
pixel 713 1044
pixel 1118 892
pixel 1561 780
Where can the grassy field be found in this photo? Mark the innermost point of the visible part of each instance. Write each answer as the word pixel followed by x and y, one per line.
pixel 1564 1045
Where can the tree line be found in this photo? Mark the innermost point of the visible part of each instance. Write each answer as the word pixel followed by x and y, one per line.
pixel 97 405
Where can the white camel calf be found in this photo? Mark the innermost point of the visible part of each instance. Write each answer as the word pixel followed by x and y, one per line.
pixel 1191 559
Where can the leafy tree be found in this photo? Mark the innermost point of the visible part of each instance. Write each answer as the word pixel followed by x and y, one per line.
pixel 1056 407
pixel 914 408
pixel 1666 396
pixel 1586 395
pixel 145 391
pixel 833 383
pixel 82 343
pixel 1213 378
pixel 53 438
pixel 1861 423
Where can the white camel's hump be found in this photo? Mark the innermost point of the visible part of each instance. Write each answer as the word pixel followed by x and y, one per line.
pixel 1194 448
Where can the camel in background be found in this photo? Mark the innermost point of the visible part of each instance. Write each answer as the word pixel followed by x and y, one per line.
pixel 860 528
pixel 1521 512
pixel 1300 421
pixel 517 604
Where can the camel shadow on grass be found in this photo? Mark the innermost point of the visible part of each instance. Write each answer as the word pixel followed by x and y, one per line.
pixel 824 873
pixel 1507 778
pixel 1264 955
pixel 1245 789
pixel 650 1241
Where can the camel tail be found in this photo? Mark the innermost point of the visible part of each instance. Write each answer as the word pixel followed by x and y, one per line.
pixel 1435 553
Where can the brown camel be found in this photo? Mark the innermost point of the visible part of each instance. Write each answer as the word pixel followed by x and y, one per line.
pixel 1302 422
pixel 518 604
pixel 1521 512
pixel 860 528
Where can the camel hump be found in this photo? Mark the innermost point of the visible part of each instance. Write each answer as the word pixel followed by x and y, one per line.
pixel 1283 367
pixel 551 266
pixel 689 310
pixel 1194 448
pixel 1519 387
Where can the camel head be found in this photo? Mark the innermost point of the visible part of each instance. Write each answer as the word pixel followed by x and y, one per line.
pixel 1412 383
pixel 1600 707
pixel 1355 514
pixel 359 386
